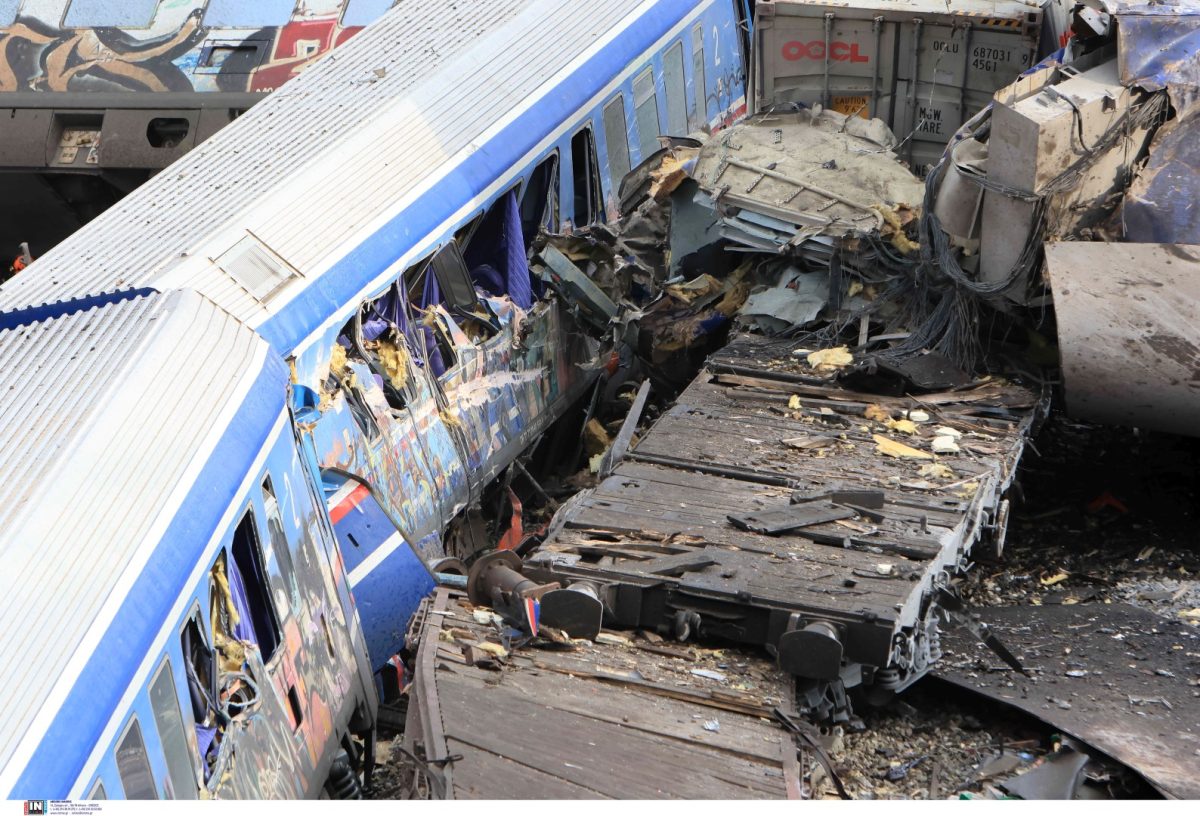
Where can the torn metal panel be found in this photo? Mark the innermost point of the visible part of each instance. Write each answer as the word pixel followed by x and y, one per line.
pixel 1158 46
pixel 779 179
pixel 1127 332
pixel 1160 205
pixel 578 288
pixel 561 721
pixel 1113 676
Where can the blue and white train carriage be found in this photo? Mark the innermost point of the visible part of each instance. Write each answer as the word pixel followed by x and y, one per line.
pixel 247 404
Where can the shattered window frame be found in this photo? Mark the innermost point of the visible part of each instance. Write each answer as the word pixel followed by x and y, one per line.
pixel 551 216
pixel 256 583
pixel 591 173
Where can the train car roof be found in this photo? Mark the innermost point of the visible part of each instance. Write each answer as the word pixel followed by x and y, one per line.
pixel 128 429
pixel 307 202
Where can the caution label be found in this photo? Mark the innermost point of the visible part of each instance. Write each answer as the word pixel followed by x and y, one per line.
pixel 852 105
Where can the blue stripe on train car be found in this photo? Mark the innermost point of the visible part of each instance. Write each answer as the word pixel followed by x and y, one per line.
pixel 387 577
pixel 80 722
pixel 505 149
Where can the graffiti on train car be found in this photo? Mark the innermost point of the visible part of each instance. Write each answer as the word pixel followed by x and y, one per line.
pixel 299 685
pixel 179 50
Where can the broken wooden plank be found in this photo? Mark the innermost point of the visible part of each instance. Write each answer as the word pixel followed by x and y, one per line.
pixel 791 517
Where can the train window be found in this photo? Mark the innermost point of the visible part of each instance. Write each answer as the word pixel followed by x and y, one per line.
pixel 247 558
pixel 539 203
pixel 8 12
pixel 700 97
pixel 98 791
pixel 616 139
pixel 133 766
pixel 586 176
pixel 169 722
pixel 675 86
pixel 283 553
pixel 240 14
pixel 364 12
pixel 645 112
pixel 106 14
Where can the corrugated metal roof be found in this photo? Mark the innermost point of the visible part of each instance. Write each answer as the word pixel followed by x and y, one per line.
pixel 106 417
pixel 314 164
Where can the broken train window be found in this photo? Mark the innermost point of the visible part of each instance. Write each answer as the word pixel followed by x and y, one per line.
pixel 497 254
pixel 432 348
pixel 539 201
pixel 585 173
pixel 222 685
pixel 449 283
pixel 286 596
pixel 343 378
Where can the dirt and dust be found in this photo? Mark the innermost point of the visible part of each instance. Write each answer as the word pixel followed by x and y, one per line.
pixel 1102 516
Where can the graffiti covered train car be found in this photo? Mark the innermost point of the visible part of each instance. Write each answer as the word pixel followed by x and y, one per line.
pixel 97 95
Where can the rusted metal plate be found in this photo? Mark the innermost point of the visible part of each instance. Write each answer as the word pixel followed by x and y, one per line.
pixel 1127 332
pixel 617 719
pixel 1114 676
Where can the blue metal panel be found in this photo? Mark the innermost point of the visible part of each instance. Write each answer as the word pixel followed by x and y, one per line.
pixel 388 578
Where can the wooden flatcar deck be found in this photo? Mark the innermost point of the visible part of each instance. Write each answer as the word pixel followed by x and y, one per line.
pixel 658 528
pixel 626 718
pixel 622 720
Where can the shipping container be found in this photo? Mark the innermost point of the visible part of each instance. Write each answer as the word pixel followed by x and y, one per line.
pixel 927 115
pixel 892 58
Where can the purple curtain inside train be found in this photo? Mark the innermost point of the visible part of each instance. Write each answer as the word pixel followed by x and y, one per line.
pixel 497 258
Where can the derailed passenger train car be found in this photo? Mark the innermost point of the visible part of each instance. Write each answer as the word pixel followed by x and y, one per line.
pixel 227 546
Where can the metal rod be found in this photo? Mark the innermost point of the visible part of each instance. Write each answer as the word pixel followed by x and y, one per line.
pixel 616 451
pixel 877 27
pixel 828 37
pixel 912 88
